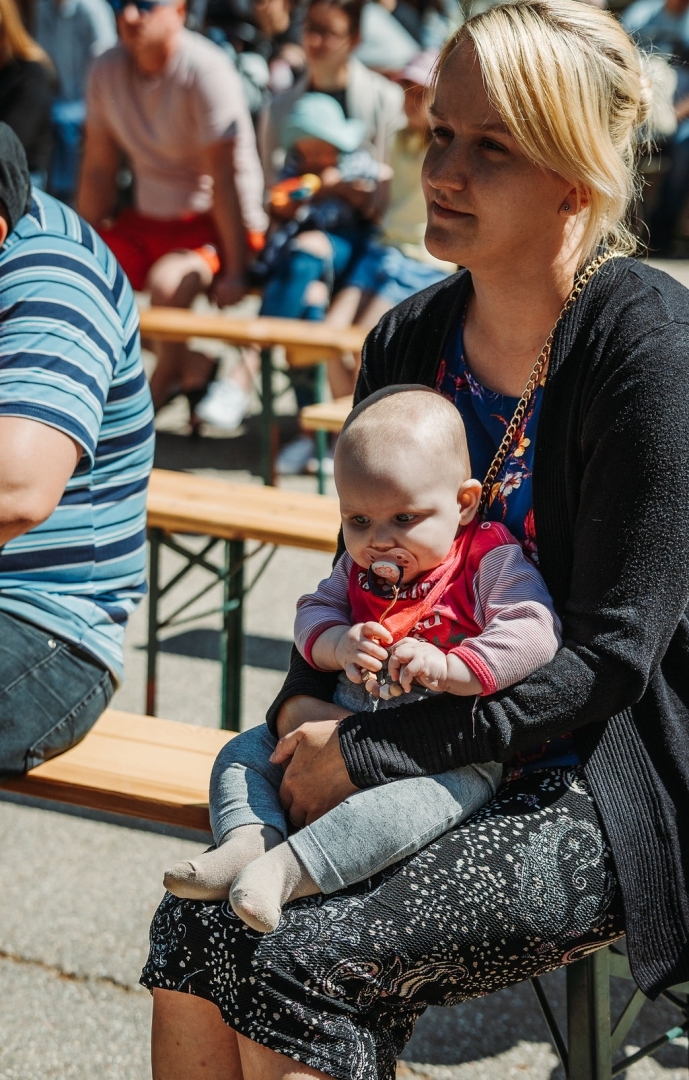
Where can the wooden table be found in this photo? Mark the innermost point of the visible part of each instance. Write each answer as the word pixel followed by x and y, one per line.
pixel 230 514
pixel 308 344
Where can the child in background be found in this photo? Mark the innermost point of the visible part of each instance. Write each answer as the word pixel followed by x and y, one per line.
pixel 328 183
pixel 449 604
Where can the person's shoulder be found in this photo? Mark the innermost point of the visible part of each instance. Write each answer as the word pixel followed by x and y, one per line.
pixel 56 244
pixel 199 56
pixel 377 85
pixel 110 63
pixel 641 295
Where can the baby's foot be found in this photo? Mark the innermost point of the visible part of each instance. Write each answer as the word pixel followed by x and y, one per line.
pixel 210 875
pixel 265 885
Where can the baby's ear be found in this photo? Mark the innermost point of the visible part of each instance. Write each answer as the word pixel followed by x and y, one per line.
pixel 468 499
pixel 4 229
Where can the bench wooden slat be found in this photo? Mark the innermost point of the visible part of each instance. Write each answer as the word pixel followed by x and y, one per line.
pixel 307 342
pixel 326 416
pixel 139 766
pixel 206 506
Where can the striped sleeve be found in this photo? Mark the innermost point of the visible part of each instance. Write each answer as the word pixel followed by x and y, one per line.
pixel 60 339
pixel 327 606
pixel 520 631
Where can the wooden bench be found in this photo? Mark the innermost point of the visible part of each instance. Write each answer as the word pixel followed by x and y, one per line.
pixel 136 766
pixel 229 514
pixel 308 344
pixel 326 415
pixel 321 418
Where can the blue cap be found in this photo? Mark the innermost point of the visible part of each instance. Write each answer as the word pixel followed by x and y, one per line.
pixel 320 116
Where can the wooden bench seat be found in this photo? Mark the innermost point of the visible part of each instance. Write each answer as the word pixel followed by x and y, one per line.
pixel 326 415
pixel 231 514
pixel 138 766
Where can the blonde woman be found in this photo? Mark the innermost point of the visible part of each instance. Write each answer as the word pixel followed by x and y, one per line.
pixel 528 181
pixel 26 90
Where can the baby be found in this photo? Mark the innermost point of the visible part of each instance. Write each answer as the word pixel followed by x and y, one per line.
pixel 426 599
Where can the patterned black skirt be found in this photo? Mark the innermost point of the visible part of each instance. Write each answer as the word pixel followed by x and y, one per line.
pixel 525 885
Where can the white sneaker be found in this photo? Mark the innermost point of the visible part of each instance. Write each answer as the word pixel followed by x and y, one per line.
pixel 328 464
pixel 224 406
pixel 293 458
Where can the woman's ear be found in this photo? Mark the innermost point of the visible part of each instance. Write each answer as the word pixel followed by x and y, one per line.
pixel 468 498
pixel 576 200
pixel 4 229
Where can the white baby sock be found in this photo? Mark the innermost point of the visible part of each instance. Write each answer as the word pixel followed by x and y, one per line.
pixel 210 875
pixel 265 885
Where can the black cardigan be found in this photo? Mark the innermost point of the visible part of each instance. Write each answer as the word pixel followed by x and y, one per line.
pixel 611 503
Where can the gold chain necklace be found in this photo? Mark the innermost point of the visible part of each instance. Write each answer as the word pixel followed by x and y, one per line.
pixel 487 493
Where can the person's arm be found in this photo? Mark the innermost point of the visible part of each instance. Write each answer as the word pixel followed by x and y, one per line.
pixel 227 214
pixel 519 628
pixel 98 176
pixel 36 461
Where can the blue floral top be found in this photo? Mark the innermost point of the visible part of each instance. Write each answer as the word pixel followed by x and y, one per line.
pixel 486 415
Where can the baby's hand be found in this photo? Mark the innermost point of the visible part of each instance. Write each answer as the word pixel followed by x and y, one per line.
pixel 412 659
pixel 359 649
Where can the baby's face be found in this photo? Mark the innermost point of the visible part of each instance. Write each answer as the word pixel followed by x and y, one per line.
pixel 315 155
pixel 409 519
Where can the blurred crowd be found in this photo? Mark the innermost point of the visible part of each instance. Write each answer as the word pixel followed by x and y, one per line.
pixel 274 146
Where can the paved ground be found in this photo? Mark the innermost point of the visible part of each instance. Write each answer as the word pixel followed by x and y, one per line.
pixel 78 894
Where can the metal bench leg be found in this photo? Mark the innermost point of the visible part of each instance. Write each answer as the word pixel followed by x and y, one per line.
pixel 321 382
pixel 588 1018
pixel 232 647
pixel 154 536
pixel 268 432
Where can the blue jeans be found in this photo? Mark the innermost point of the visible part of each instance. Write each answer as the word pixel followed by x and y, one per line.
pixel 370 830
pixel 51 694
pixel 285 293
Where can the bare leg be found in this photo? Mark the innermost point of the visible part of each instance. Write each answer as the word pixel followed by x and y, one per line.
pixel 190 1040
pixel 260 1063
pixel 175 281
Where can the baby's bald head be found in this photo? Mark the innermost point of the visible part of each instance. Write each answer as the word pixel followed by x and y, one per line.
pixel 403 426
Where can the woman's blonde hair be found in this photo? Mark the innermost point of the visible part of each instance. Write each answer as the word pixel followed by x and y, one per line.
pixel 573 91
pixel 15 41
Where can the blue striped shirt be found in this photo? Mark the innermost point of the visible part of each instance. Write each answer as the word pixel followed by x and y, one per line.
pixel 70 357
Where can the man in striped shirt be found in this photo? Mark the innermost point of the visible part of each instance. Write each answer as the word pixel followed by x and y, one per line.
pixel 76 449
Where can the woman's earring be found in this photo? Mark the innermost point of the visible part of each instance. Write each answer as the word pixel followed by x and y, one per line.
pixel 566 208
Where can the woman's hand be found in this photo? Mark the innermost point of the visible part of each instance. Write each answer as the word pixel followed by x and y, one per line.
pixel 316 778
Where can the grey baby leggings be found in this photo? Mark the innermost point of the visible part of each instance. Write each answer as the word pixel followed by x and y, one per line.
pixel 370 830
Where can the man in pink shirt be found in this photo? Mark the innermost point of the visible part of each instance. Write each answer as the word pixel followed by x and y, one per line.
pixel 172 102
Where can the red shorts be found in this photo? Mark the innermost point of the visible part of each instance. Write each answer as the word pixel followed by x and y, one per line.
pixel 137 242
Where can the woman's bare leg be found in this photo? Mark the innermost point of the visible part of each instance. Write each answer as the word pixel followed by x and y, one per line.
pixel 191 1041
pixel 260 1063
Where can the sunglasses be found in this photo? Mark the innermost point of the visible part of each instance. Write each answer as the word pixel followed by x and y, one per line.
pixel 142 6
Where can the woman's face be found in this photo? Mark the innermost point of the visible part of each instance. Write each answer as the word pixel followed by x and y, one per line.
pixel 328 37
pixel 488 204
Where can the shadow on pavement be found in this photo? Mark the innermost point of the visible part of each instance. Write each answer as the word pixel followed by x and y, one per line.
pixel 203 643
pixel 238 452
